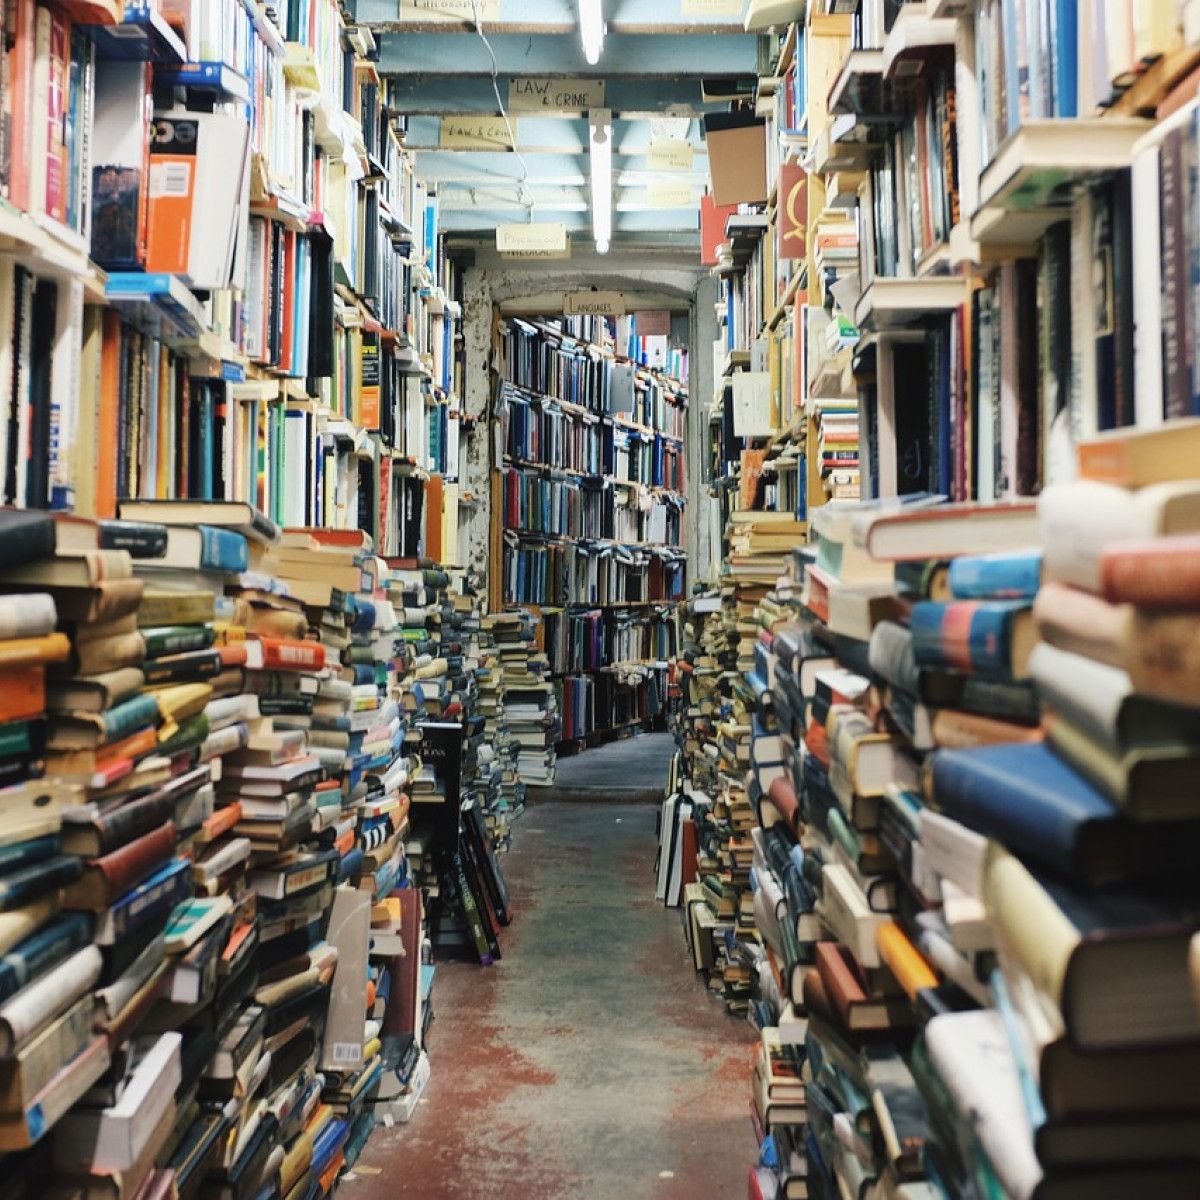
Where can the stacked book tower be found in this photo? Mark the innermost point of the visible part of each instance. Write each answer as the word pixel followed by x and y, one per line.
pixel 215 968
pixel 971 866
pixel 503 788
pixel 531 707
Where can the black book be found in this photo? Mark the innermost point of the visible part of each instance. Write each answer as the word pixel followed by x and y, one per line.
pixel 25 536
pixel 141 538
pixel 45 309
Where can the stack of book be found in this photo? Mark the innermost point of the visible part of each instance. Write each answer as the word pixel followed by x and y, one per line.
pixel 936 870
pixel 51 1055
pixel 506 790
pixel 530 703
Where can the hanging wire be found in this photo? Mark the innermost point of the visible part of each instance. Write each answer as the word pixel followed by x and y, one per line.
pixel 526 191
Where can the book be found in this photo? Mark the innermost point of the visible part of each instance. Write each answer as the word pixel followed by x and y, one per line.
pixel 1025 797
pixel 40 1002
pixel 948 530
pixel 228 515
pixel 1069 943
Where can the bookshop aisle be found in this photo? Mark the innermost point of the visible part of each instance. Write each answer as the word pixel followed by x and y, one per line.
pixel 560 1072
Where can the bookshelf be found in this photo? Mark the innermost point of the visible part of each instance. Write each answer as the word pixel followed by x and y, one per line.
pixel 589 498
pixel 300 344
pixel 999 352
pixel 231 431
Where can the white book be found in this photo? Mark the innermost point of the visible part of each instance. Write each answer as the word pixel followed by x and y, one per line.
pixel 971 1053
pixel 112 1139
pixel 38 1003
pixel 1078 521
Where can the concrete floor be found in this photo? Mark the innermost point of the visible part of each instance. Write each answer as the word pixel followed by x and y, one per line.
pixel 633 771
pixel 590 1062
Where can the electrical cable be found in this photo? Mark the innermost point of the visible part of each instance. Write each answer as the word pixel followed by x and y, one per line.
pixel 526 192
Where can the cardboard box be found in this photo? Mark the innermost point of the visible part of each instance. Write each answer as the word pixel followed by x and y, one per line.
pixel 737 157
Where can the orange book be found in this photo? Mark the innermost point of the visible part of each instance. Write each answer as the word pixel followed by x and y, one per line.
pixel 221 822
pixel 435 493
pixel 107 416
pixel 173 161
pixel 22 693
pixel 234 654
pixel 903 959
pixel 25 652
pixel 135 746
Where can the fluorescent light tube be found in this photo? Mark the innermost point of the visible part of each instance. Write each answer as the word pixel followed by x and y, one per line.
pixel 591 29
pixel 600 129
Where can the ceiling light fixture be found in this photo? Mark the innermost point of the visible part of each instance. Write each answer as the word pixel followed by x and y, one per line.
pixel 600 129
pixel 591 29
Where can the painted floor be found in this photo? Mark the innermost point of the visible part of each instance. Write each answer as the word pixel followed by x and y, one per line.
pixel 631 771
pixel 590 1062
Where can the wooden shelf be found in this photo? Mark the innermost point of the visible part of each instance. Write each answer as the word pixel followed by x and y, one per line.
pixel 1029 183
pixel 897 303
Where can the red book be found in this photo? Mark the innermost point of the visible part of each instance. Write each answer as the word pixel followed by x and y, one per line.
pixel 60 50
pixel 285 654
pixel 1161 573
pixel 105 879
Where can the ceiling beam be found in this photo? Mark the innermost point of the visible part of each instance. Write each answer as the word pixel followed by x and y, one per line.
pixel 649 56
pixel 548 135
pixel 485 220
pixel 422 96
pixel 454 166
pixel 537 16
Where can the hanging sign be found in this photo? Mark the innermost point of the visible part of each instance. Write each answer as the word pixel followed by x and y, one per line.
pixel 546 239
pixel 670 155
pixel 446 11
pixel 667 194
pixel 594 304
pixel 654 324
pixel 550 96
pixel 475 133
pixel 712 8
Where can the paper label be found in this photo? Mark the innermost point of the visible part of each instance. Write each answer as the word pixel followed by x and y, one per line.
pixel 671 155
pixel 544 239
pixel 556 95
pixel 476 133
pixel 594 304
pixel 670 195
pixel 449 10
pixel 712 8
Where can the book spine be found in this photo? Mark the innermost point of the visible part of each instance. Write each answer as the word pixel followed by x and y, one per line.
pixel 44 949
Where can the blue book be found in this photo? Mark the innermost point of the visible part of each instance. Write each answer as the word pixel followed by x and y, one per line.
pixel 25 854
pixel 43 950
pixel 223 550
pixel 151 900
pixel 28 882
pixel 135 713
pixel 1026 797
pixel 1066 58
pixel 1013 575
pixel 992 637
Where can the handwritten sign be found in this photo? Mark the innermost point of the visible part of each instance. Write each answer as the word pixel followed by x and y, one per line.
pixel 670 155
pixel 669 194
pixel 594 304
pixel 445 11
pixel 475 133
pixel 545 239
pixel 556 95
pixel 712 8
